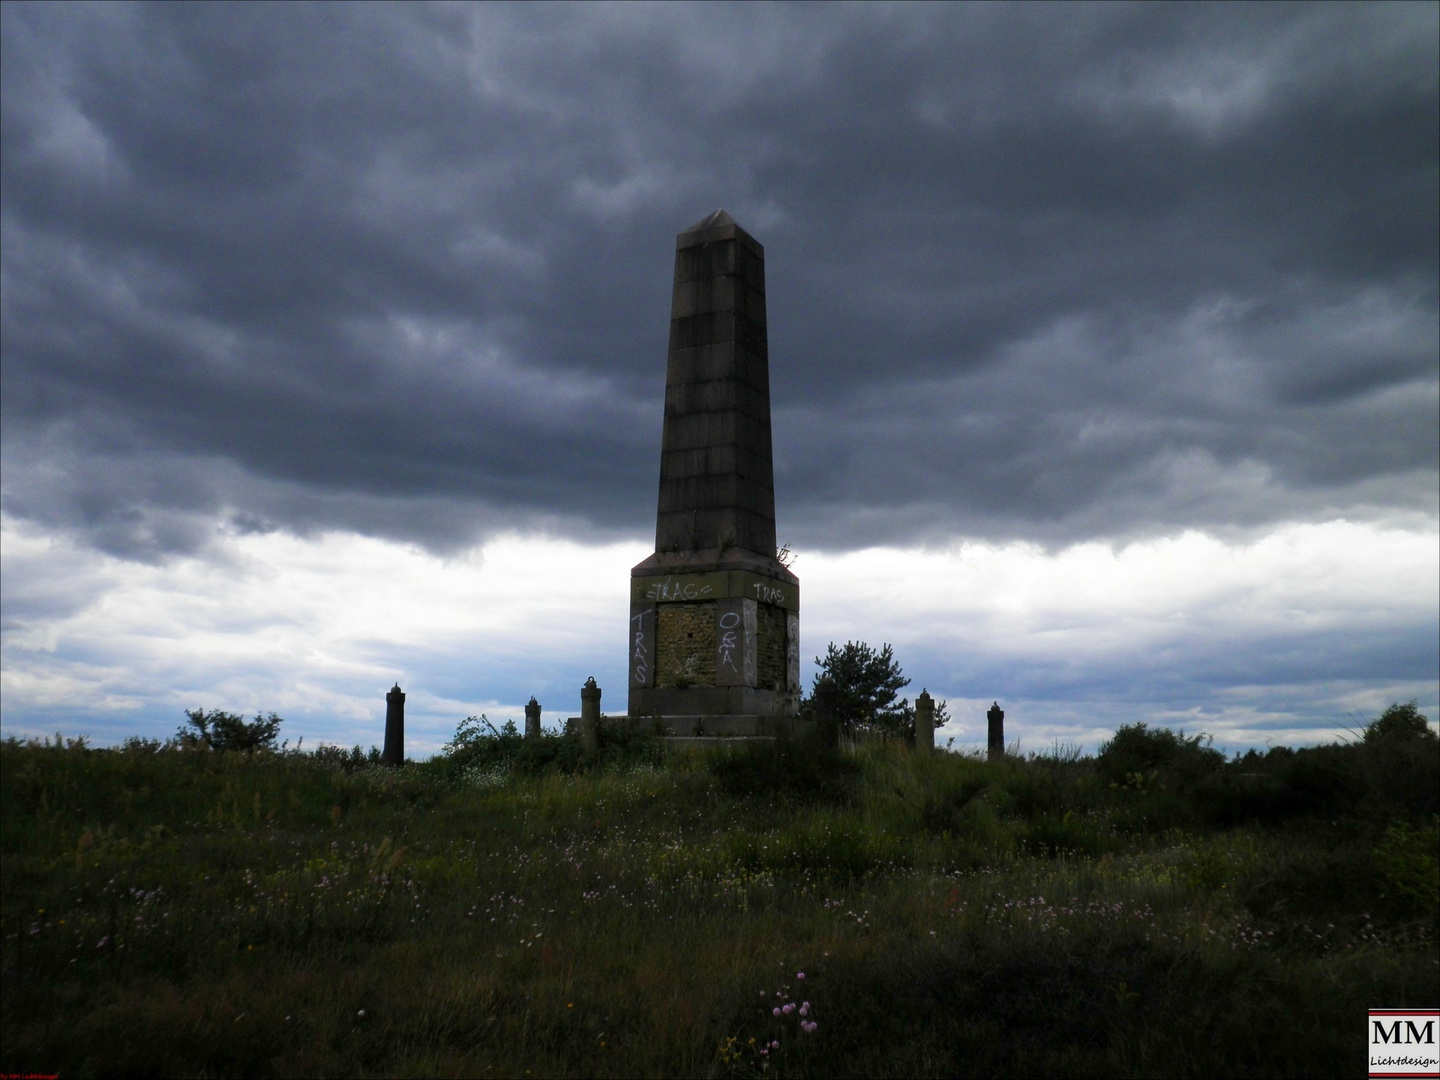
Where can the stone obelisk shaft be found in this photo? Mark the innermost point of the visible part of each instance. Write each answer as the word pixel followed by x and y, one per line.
pixel 716 472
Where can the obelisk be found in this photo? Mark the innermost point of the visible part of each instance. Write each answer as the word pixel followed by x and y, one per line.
pixel 714 637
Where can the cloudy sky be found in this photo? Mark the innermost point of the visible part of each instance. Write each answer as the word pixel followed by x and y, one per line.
pixel 1104 352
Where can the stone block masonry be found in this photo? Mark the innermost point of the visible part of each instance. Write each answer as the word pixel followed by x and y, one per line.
pixel 685 644
pixel 717 397
pixel 770 649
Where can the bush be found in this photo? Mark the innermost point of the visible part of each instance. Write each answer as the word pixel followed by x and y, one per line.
pixel 1136 752
pixel 478 748
pixel 481 750
pixel 947 808
pixel 221 730
pixel 1400 723
pixel 1410 869
pixel 801 770
pixel 337 757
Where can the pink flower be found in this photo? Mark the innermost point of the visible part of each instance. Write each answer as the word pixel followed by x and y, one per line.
pixel 788 1009
pixel 805 1009
pixel 775 1011
pixel 799 974
pixel 775 1044
pixel 808 1026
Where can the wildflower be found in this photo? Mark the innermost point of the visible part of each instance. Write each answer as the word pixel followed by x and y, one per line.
pixel 775 1011
pixel 360 1012
pixel 775 1044
pixel 788 1009
pixel 808 1026
pixel 805 1009
pixel 799 974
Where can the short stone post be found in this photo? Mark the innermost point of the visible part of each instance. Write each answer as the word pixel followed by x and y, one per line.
pixel 996 716
pixel 925 722
pixel 532 719
pixel 827 724
pixel 590 716
pixel 394 753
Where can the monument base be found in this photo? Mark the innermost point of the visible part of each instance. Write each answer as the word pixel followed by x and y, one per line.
pixel 671 701
pixel 712 727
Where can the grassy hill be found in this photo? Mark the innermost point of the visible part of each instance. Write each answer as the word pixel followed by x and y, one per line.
pixel 515 909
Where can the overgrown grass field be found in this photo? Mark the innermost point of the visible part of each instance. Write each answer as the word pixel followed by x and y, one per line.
pixel 519 910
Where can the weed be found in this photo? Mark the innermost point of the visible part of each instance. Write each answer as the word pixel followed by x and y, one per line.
pixel 514 905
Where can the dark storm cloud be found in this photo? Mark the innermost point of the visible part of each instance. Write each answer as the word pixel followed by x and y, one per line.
pixel 1045 272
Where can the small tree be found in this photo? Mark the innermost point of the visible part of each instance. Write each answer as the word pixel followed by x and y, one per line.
pixel 867 683
pixel 221 730
pixel 1399 722
pixel 1138 750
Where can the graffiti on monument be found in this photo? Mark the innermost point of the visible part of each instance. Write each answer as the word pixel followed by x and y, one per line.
pixel 699 588
pixel 768 594
pixel 749 618
pixel 729 625
pixel 792 653
pixel 679 590
pixel 642 625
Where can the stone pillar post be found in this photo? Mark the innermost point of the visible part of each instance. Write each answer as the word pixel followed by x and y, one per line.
pixel 394 753
pixel 996 716
pixel 532 719
pixel 925 722
pixel 590 716
pixel 827 724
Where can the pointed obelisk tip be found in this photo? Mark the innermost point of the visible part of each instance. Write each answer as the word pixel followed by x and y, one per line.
pixel 712 221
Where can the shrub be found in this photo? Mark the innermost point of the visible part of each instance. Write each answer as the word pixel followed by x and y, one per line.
pixel 483 751
pixel 947 809
pixel 337 757
pixel 1400 723
pixel 802 770
pixel 221 730
pixel 1401 775
pixel 1410 869
pixel 1137 751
